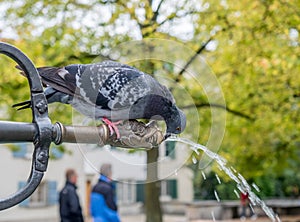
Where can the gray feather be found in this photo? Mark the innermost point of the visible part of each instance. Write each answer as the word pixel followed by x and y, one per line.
pixel 112 90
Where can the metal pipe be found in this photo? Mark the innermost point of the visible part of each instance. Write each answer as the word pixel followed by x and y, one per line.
pixel 11 132
pixel 80 134
pixel 39 131
pixel 134 134
pixel 16 132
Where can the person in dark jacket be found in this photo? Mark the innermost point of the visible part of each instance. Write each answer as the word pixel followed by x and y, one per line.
pixel 69 205
pixel 103 199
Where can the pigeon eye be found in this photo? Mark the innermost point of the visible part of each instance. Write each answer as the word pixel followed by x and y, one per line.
pixel 178 128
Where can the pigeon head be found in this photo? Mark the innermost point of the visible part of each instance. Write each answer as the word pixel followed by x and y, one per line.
pixel 176 122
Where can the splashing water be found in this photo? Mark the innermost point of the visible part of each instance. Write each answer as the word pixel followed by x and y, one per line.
pixel 176 172
pixel 213 215
pixel 236 193
pixel 194 159
pixel 255 187
pixel 216 195
pixel 241 182
pixel 234 170
pixel 218 179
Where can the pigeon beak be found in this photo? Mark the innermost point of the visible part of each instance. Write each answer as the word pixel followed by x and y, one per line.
pixel 167 135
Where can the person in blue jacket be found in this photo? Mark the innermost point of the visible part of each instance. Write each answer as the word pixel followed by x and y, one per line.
pixel 103 199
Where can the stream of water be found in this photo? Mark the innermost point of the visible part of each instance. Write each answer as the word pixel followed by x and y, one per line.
pixel 241 183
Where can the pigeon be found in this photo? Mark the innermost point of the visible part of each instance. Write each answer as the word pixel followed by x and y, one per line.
pixel 111 91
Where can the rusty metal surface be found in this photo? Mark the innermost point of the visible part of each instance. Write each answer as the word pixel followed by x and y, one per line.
pixel 135 134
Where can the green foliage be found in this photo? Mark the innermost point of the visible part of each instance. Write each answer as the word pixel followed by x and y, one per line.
pixel 206 189
pixel 254 53
pixel 13 147
pixel 269 186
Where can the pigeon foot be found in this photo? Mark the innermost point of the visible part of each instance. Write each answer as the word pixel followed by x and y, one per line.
pixel 112 126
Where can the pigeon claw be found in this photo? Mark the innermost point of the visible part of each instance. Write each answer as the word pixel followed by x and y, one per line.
pixel 112 127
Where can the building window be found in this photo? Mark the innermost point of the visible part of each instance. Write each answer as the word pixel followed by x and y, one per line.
pixel 25 150
pixel 56 152
pixel 170 149
pixel 21 150
pixel 140 191
pixel 169 188
pixel 39 197
pixel 126 192
pixel 45 194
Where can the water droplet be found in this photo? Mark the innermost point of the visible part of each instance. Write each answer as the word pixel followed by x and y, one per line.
pixel 218 178
pixel 255 187
pixel 213 215
pixel 216 195
pixel 176 172
pixel 173 137
pixel 251 207
pixel 196 150
pixel 236 193
pixel 241 189
pixel 203 175
pixel 233 169
pixel 220 168
pixel 277 218
pixel 194 159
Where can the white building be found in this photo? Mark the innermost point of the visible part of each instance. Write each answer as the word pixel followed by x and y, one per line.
pixel 129 173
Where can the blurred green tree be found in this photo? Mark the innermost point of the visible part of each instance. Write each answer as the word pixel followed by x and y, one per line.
pixel 252 47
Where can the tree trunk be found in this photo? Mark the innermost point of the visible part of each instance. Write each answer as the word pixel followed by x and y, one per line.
pixel 152 188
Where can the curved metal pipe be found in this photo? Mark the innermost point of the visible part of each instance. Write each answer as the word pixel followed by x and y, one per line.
pixel 41 134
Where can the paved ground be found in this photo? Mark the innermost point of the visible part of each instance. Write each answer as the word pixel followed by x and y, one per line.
pixel 175 218
pixel 172 218
pixel 141 218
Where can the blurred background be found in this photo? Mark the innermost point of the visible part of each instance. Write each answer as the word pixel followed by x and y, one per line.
pixel 250 47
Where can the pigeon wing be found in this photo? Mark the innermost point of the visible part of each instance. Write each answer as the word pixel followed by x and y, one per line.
pixel 122 89
pixel 100 76
pixel 58 78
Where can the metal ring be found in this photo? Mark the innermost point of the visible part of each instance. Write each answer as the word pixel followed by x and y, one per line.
pixel 40 119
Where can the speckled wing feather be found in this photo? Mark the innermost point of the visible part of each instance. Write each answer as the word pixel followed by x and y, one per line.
pixel 111 85
pixel 103 76
pixel 122 89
